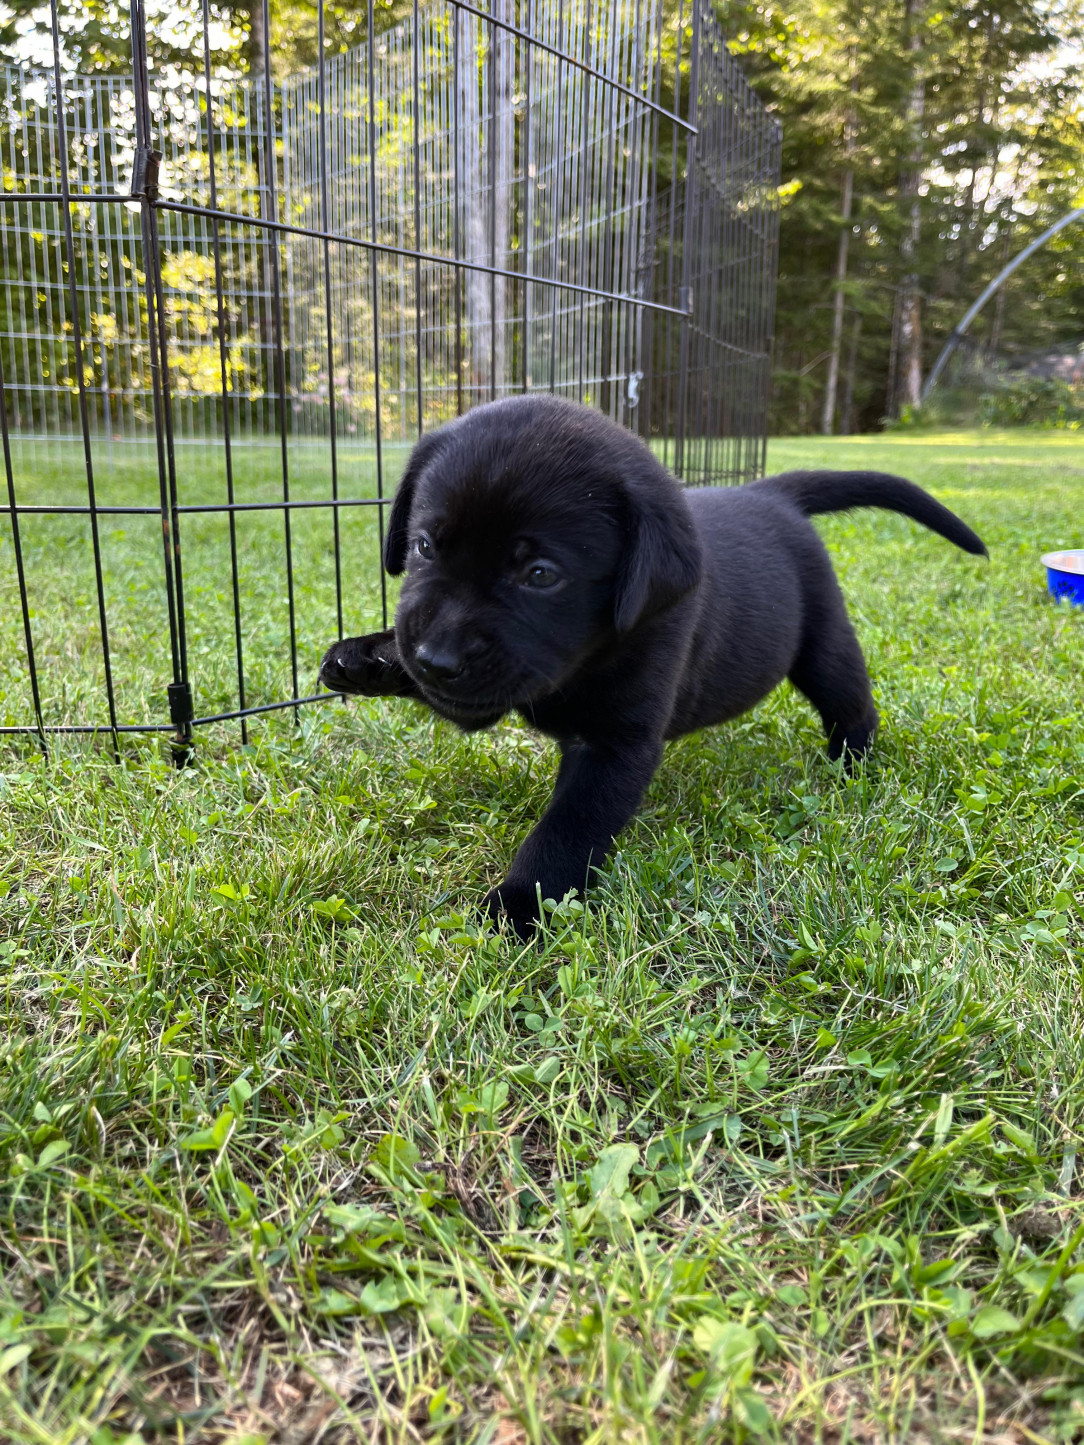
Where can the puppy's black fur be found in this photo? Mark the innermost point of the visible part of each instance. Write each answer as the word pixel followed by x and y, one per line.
pixel 554 567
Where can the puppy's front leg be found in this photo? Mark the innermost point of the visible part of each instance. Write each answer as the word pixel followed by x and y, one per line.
pixel 368 666
pixel 596 794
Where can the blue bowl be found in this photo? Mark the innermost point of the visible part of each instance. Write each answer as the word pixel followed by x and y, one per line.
pixel 1065 575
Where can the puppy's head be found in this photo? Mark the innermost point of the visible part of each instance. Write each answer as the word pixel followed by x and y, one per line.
pixel 532 533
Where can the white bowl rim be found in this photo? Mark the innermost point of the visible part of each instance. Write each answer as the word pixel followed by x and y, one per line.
pixel 1057 560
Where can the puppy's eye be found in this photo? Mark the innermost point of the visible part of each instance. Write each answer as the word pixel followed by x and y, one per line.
pixel 541 575
pixel 423 546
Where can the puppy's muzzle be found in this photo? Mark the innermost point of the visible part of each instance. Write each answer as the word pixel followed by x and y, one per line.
pixel 436 663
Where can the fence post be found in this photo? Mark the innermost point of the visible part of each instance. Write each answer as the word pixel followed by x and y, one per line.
pixel 686 293
pixel 145 190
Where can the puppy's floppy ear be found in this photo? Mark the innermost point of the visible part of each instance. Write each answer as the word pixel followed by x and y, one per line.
pixel 395 540
pixel 662 560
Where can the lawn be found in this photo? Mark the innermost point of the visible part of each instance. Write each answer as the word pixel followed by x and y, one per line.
pixel 781 1138
pixel 62 592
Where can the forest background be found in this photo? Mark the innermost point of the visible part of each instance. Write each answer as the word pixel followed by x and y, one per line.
pixel 924 145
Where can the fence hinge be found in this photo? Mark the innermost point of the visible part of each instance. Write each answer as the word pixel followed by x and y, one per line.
pixel 145 173
pixel 181 711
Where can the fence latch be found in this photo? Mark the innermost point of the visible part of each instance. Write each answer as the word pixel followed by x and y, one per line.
pixel 685 299
pixel 145 173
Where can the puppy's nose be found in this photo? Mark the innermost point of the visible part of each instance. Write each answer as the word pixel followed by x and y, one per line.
pixel 438 662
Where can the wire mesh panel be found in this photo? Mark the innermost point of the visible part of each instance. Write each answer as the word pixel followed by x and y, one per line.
pixel 231 303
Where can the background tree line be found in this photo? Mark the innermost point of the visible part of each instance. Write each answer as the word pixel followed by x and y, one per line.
pixel 924 145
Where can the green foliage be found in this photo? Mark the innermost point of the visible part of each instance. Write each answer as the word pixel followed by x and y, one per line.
pixel 1000 151
pixel 63 599
pixel 1032 401
pixel 96 35
pixel 997 155
pixel 294 31
pixel 779 1138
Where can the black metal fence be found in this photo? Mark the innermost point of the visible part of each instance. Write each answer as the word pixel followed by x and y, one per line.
pixel 229 304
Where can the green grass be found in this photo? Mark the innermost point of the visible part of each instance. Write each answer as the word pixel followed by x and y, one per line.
pixel 63 596
pixel 779 1138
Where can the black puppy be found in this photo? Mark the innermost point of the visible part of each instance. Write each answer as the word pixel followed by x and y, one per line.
pixel 556 568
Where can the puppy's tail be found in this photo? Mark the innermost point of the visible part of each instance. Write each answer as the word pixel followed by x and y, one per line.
pixel 813 492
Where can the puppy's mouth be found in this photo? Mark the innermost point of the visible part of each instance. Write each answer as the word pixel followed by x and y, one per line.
pixel 475 695
pixel 463 696
pixel 488 684
pixel 471 713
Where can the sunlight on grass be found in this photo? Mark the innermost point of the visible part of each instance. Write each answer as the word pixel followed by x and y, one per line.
pixel 63 600
pixel 780 1138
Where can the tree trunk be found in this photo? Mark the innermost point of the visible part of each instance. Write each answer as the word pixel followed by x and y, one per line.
pixel 908 299
pixel 910 393
pixel 893 360
pixel 973 204
pixel 829 412
pixel 846 421
pixel 258 123
pixel 256 39
pixel 831 388
pixel 501 181
pixel 486 141
pixel 801 393
pixel 472 206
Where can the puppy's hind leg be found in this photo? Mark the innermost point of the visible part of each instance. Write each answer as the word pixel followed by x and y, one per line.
pixel 831 671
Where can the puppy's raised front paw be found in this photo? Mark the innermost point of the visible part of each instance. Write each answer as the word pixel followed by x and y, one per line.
pixel 366 666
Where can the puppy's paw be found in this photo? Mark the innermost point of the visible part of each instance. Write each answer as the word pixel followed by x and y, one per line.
pixel 516 903
pixel 852 744
pixel 366 666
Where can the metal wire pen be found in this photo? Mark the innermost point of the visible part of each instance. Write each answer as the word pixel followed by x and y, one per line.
pixel 278 281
